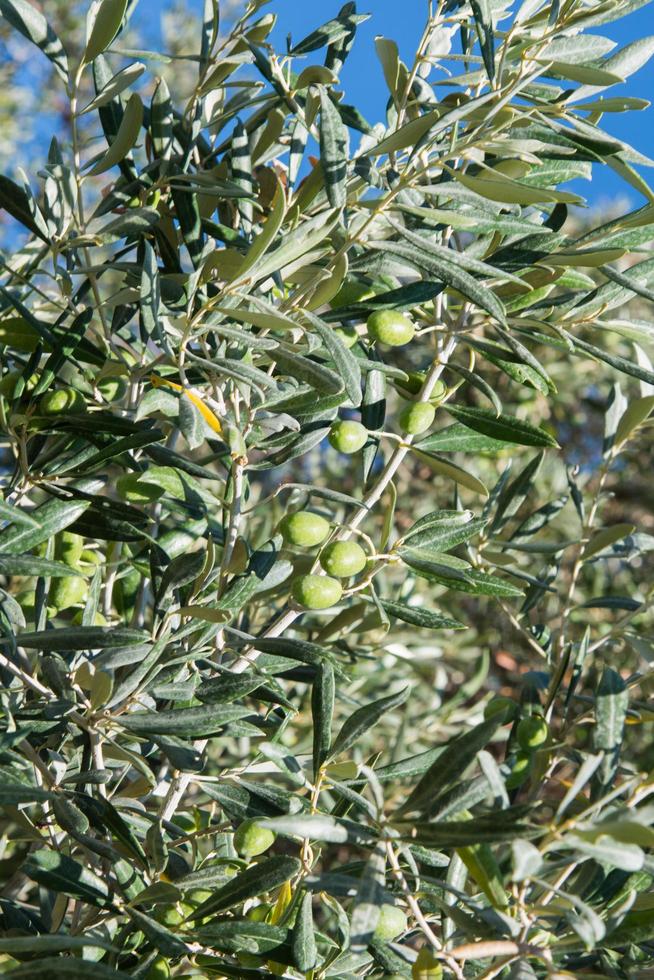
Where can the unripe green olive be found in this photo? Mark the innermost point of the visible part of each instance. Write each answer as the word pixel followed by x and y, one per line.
pixel 260 912
pixel 316 591
pixel 61 402
pixel 250 839
pixel 135 492
pixel 347 436
pixel 90 557
pixel 392 921
pixel 69 547
pixel 8 383
pixel 26 600
pixel 414 383
pixel 112 389
pixel 169 916
pixel 519 770
pixel 532 732
pixel 197 896
pixel 98 619
pixel 343 559
pixel 417 418
pixel 347 335
pixel 390 327
pixel 67 592
pixel 352 291
pixel 426 966
pixel 304 529
pixel 158 970
pixel 501 706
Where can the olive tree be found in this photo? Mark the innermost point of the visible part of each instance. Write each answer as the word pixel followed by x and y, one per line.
pixel 325 620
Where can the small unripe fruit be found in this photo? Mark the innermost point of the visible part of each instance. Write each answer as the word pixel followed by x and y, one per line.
pixel 304 529
pixel 426 966
pixel 501 706
pixel 343 559
pixel 352 291
pixel 62 401
pixel 169 916
pixel 348 437
pixel 131 490
pixel 532 732
pixel 90 557
pixel 519 770
pixel 250 839
pixel 390 328
pixel 417 418
pixel 197 896
pixel 347 335
pixel 66 592
pixel 69 547
pixel 8 383
pixel 112 389
pixel 260 912
pixel 392 921
pixel 98 619
pixel 317 591
pixel 159 969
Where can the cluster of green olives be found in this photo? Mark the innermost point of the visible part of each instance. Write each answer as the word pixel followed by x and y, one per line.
pixel 67 591
pixel 339 559
pixel 393 329
pixel 66 400
pixel 531 733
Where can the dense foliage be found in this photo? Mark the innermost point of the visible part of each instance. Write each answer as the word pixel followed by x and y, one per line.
pixel 325 620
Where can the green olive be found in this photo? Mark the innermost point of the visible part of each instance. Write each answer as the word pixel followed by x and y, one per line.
pixel 67 592
pixel 532 732
pixel 343 559
pixel 260 912
pixel 159 969
pixel 347 436
pixel 62 401
pixel 8 383
pixel 250 839
pixel 347 335
pixel 352 291
pixel 90 557
pixel 426 966
pixel 304 529
pixel 26 600
pixel 392 921
pixel 98 619
pixel 390 328
pixel 69 547
pixel 417 418
pixel 501 706
pixel 134 492
pixel 197 896
pixel 169 916
pixel 112 389
pixel 316 591
pixel 519 770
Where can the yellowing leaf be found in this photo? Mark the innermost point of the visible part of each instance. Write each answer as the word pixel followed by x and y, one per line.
pixel 209 417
